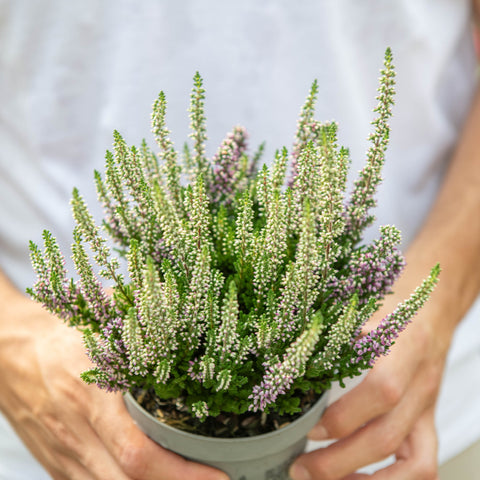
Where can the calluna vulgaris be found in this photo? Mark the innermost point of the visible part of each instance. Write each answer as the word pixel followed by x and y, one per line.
pixel 246 288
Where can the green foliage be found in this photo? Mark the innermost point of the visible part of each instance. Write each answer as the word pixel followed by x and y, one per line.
pixel 242 293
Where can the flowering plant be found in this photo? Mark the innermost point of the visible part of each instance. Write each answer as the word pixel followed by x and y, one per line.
pixel 242 295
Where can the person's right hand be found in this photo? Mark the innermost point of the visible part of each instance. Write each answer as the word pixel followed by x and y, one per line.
pixel 76 431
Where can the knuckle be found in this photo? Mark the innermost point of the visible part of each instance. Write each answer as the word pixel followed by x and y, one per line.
pixel 390 392
pixel 131 458
pixel 333 423
pixel 68 391
pixel 61 432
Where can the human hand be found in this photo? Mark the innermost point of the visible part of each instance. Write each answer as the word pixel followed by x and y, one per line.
pixel 76 431
pixel 390 412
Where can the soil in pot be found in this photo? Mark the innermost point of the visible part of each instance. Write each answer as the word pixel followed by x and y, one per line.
pixel 173 412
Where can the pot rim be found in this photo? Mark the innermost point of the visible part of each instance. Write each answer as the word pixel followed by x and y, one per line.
pixel 305 419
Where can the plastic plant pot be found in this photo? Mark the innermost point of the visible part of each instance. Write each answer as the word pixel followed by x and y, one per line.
pixel 261 457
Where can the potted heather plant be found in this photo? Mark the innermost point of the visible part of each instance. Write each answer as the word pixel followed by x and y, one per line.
pixel 245 294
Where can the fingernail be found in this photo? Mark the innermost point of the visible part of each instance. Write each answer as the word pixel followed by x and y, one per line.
pixel 299 472
pixel 222 476
pixel 318 432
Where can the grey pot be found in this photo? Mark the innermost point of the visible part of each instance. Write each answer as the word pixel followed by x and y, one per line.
pixel 264 457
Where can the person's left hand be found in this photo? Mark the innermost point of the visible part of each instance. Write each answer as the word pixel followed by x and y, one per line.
pixel 390 412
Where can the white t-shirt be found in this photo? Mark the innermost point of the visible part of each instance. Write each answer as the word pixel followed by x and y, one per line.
pixel 71 72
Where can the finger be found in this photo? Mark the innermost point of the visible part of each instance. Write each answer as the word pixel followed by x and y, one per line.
pixel 68 447
pixel 88 453
pixel 67 468
pixel 375 441
pixel 140 457
pixel 417 456
pixel 48 452
pixel 380 391
pixel 358 407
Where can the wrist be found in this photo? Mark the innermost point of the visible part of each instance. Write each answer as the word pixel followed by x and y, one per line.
pixel 455 292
